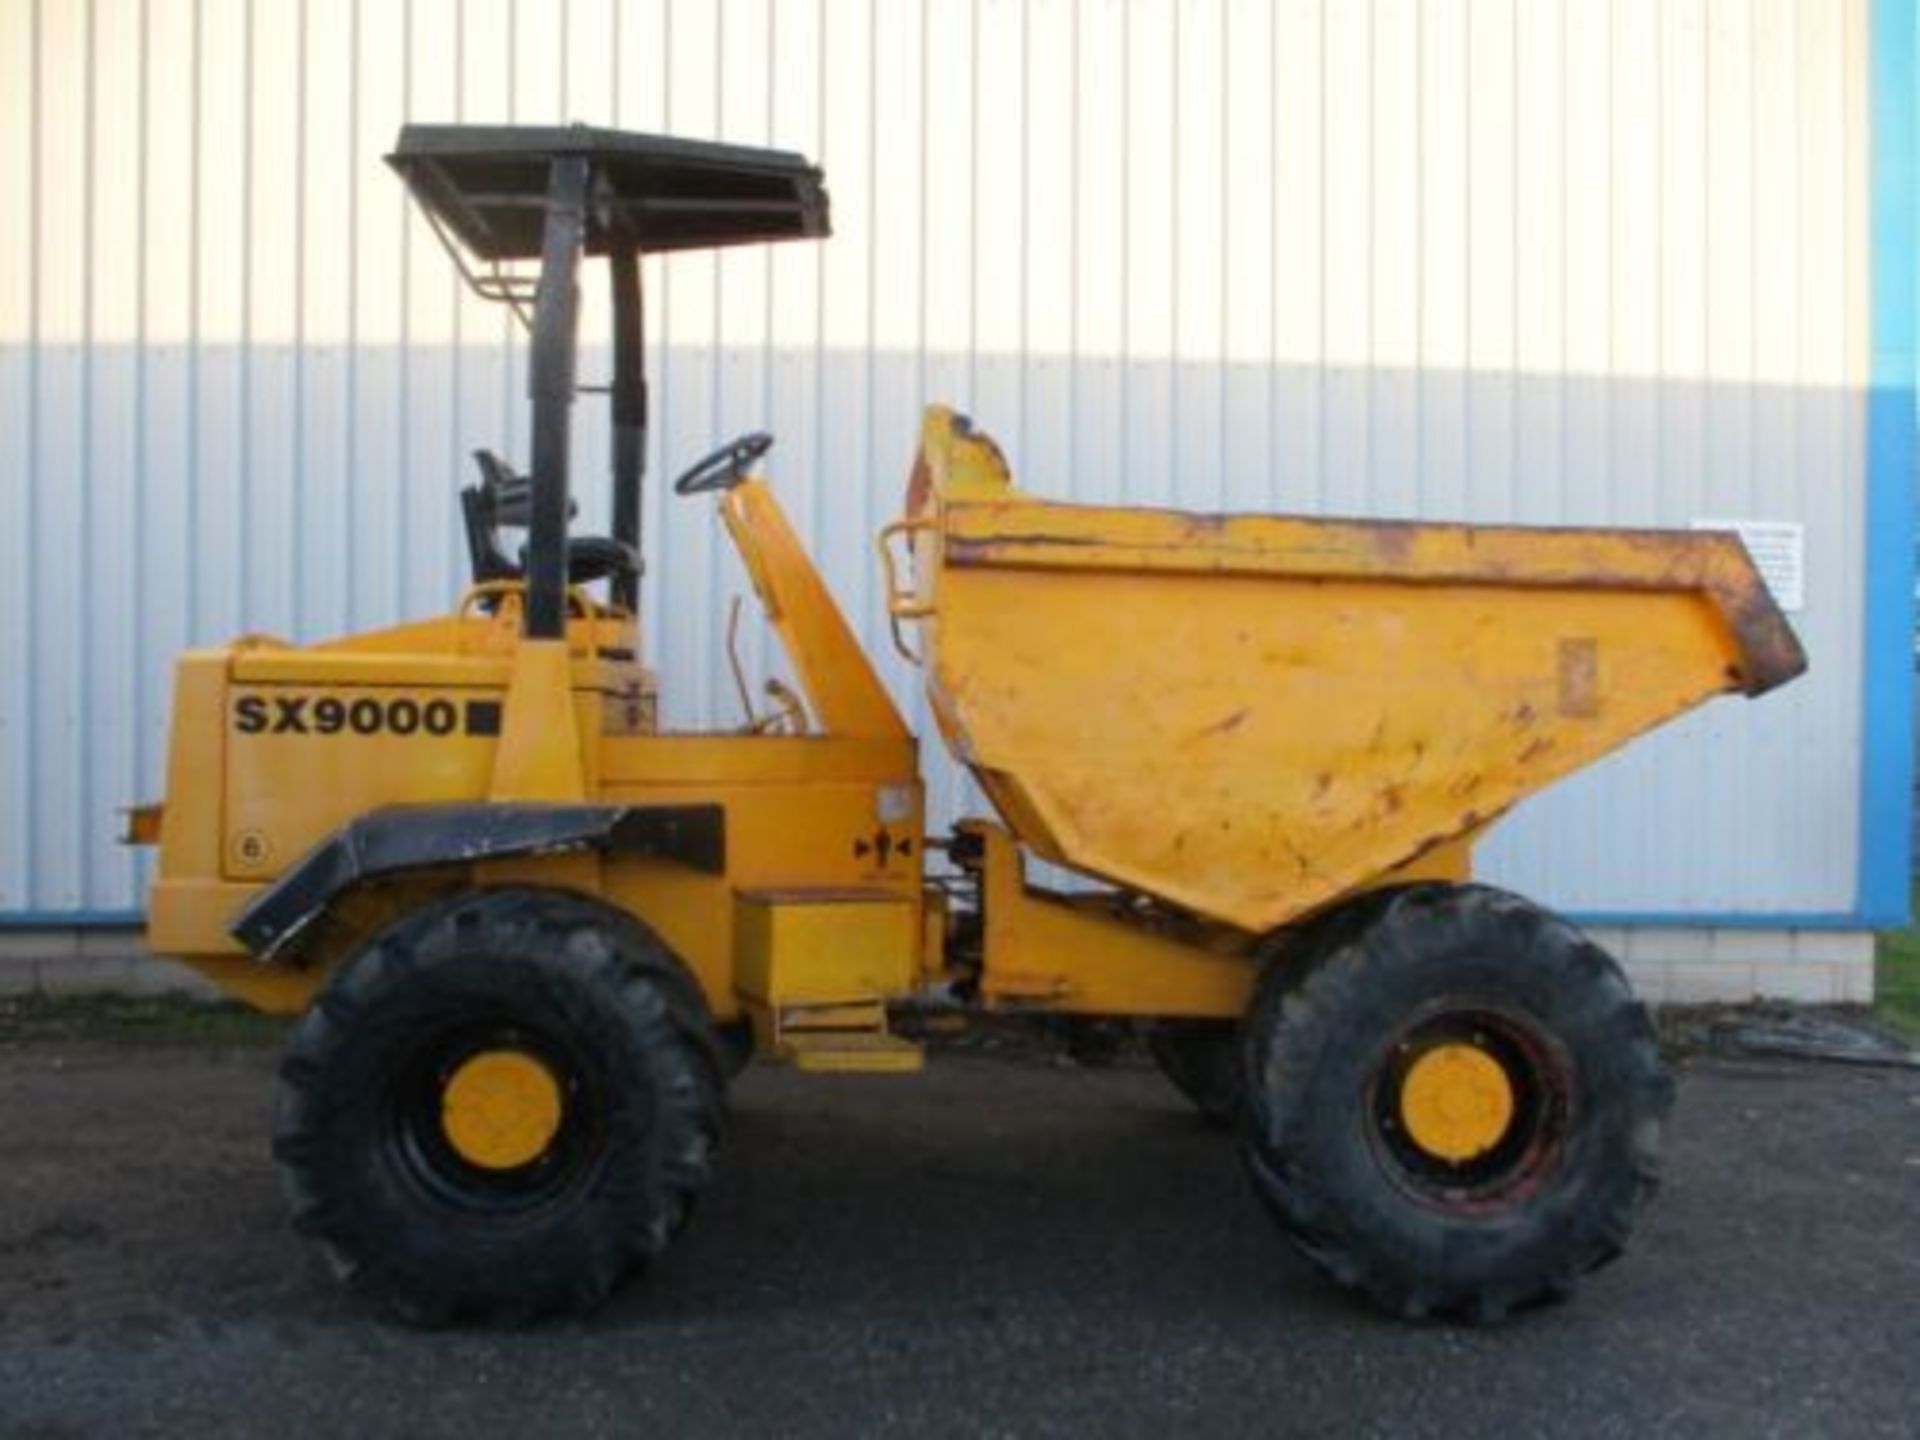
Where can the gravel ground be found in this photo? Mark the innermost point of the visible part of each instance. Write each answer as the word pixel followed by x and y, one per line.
pixel 999 1247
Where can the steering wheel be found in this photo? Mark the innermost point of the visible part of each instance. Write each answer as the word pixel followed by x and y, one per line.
pixel 725 467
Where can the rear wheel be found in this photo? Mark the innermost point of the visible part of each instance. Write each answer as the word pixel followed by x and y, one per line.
pixel 1202 1059
pixel 1454 1103
pixel 500 1107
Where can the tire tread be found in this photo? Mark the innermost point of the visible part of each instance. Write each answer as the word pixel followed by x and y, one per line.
pixel 1339 967
pixel 574 940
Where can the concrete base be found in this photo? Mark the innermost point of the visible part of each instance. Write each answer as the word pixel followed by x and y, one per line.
pixel 1691 965
pixel 1668 965
pixel 61 963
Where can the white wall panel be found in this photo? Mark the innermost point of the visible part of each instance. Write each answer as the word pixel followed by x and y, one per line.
pixel 1554 262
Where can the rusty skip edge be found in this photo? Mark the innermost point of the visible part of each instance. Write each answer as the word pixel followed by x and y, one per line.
pixel 1712 564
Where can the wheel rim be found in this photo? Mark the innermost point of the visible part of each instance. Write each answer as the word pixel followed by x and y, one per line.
pixel 501 1109
pixel 493 1117
pixel 1456 1102
pixel 1470 1108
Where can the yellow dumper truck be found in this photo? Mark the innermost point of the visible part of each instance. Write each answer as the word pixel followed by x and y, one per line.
pixel 531 936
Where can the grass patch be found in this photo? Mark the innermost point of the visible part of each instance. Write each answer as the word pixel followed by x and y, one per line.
pixel 160 1020
pixel 1897 977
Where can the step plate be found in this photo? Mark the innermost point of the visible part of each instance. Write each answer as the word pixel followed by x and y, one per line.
pixel 827 1052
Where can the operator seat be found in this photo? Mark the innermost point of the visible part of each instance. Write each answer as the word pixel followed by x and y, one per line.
pixel 504 498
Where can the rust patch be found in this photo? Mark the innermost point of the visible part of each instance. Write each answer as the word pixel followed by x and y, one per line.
pixel 1715 567
pixel 1391 540
pixel 1771 652
pixel 1472 820
pixel 919 484
pixel 1226 726
pixel 1579 668
pixel 962 550
pixel 1206 523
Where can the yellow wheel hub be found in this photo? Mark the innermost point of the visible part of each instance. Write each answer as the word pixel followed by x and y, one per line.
pixel 501 1109
pixel 1456 1102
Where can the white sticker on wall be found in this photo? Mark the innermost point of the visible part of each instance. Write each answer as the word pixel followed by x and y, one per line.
pixel 1779 551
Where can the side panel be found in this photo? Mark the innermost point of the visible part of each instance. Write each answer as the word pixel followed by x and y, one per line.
pixel 818 814
pixel 188 905
pixel 794 834
pixel 1253 748
pixel 307 758
pixel 820 947
pixel 196 769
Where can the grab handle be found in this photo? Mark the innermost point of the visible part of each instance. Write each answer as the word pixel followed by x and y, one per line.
pixel 492 594
pixel 902 604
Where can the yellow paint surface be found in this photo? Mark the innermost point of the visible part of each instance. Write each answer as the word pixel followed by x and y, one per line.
pixel 1252 716
pixel 1245 718
pixel 813 947
pixel 1456 1102
pixel 501 1109
pixel 841 686
pixel 1058 953
pixel 247 798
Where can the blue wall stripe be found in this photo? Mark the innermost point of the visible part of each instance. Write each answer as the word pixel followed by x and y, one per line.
pixel 1886 723
pixel 70 919
pixel 1722 919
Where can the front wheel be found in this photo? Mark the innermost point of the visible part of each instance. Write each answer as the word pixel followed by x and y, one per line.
pixel 501 1107
pixel 1454 1103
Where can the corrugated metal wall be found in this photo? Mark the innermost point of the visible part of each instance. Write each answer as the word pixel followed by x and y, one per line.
pixel 1584 261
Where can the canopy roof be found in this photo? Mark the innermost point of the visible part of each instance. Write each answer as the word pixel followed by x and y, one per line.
pixel 487 185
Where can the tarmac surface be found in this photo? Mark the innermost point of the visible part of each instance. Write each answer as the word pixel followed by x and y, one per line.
pixel 1002 1246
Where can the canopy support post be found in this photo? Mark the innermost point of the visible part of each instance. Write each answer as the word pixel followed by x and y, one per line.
pixel 629 412
pixel 550 385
